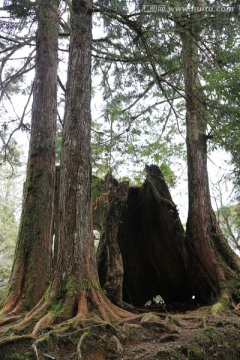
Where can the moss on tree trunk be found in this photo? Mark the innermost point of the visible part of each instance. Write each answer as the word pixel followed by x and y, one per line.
pixel 32 262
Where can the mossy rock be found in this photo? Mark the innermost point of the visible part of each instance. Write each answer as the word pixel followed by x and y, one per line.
pixel 220 306
pixel 100 342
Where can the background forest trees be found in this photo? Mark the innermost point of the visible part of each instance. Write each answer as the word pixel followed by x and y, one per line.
pixel 10 206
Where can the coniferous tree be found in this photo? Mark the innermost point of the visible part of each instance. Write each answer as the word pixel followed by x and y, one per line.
pixel 75 291
pixel 31 268
pixel 211 260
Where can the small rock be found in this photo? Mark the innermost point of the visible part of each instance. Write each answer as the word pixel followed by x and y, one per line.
pixel 148 303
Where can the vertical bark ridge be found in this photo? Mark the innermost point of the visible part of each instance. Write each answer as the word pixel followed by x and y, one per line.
pixel 32 262
pixel 208 250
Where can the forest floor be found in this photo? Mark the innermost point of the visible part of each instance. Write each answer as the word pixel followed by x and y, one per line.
pixel 193 335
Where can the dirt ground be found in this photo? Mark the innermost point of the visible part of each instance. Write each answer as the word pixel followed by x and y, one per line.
pixel 194 335
pixel 191 335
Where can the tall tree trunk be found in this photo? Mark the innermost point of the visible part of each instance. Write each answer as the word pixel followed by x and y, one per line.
pixel 76 258
pixel 75 290
pixel 31 268
pixel 211 260
pixel 76 277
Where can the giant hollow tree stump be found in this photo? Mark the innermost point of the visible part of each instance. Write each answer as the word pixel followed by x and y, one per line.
pixel 141 251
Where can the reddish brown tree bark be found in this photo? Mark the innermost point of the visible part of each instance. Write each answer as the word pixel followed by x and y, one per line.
pixel 76 277
pixel 31 268
pixel 211 261
pixel 75 291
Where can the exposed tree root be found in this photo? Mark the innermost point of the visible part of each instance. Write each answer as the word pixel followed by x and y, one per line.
pixel 85 327
pixel 28 319
pixel 42 339
pixel 14 338
pixel 79 345
pixel 14 309
pixel 11 301
pixel 10 310
pixel 81 339
pixel 42 324
pixel 8 319
pixel 86 308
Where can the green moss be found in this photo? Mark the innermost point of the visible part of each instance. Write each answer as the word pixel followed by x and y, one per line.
pixel 100 339
pixel 220 306
pixel 28 303
pixel 132 331
pixel 71 286
pixel 56 308
pixel 88 284
pixel 232 288
pixel 27 355
pixel 195 354
pixel 17 351
pixel 166 354
pixel 215 343
pixel 210 334
pixel 173 320
pixel 49 294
